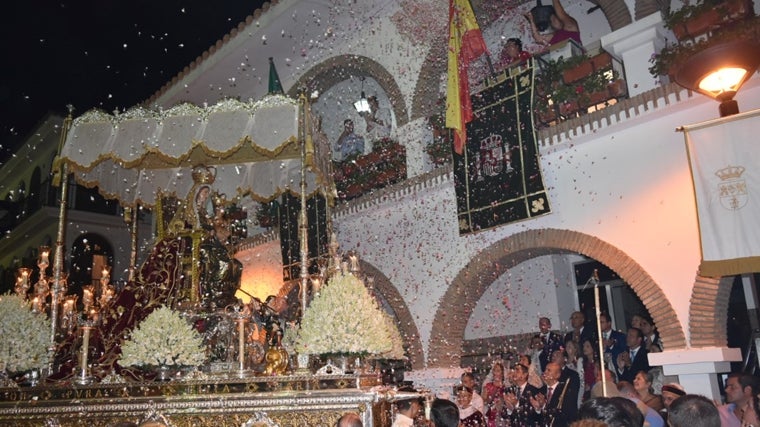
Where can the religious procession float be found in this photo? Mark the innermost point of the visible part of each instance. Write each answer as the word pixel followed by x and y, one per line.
pixel 174 345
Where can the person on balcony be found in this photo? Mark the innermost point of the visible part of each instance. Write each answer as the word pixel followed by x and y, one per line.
pixel 378 120
pixel 565 27
pixel 349 143
pixel 512 53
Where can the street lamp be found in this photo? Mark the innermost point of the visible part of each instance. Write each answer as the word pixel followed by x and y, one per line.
pixel 719 71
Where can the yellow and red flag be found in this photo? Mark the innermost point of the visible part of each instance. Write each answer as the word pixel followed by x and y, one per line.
pixel 465 45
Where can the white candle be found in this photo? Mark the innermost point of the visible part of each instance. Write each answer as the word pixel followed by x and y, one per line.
pixel 85 347
pixel 241 343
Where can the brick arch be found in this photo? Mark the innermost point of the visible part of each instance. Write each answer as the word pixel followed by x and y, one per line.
pixel 334 70
pixel 708 311
pixel 447 335
pixel 408 328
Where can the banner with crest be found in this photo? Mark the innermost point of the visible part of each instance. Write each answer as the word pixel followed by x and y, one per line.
pixel 497 177
pixel 723 156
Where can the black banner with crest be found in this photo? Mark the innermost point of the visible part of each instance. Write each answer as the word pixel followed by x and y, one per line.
pixel 497 178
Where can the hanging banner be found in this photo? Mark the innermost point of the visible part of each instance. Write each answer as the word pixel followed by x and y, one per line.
pixel 497 177
pixel 724 159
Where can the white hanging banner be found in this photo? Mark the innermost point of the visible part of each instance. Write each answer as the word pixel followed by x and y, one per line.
pixel 724 156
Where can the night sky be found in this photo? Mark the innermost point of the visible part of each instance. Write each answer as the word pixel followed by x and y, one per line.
pixel 99 53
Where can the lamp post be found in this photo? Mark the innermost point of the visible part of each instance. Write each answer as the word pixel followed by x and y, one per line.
pixel 719 71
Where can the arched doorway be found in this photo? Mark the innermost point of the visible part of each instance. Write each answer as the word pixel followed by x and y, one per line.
pixel 466 289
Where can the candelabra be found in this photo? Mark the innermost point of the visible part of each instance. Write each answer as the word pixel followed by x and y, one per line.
pixel 41 288
pixel 106 290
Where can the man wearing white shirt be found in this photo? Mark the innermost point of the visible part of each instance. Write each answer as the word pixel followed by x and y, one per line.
pixel 407 411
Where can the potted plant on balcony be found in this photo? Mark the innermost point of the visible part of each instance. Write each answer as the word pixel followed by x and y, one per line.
pixel 669 60
pixel 439 149
pixel 696 19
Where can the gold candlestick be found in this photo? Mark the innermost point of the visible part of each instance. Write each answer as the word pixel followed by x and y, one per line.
pixel 22 281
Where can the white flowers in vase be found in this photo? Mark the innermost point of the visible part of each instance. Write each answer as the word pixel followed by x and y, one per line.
pixel 345 319
pixel 397 343
pixel 24 335
pixel 163 338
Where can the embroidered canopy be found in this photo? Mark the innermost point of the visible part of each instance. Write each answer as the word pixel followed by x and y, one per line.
pixel 254 147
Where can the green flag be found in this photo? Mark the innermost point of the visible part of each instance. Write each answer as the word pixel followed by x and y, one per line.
pixel 275 87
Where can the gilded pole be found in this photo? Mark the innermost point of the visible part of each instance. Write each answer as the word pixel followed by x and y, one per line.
pixel 130 218
pixel 58 276
pixel 303 225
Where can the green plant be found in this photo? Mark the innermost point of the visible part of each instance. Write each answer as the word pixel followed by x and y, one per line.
pixel 439 150
pixel 551 89
pixel 673 56
pixel 688 11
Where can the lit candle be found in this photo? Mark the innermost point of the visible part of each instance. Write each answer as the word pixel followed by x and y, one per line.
pixel 44 260
pixel 68 308
pixel 36 305
pixel 94 315
pixel 87 298
pixel 105 275
pixel 22 281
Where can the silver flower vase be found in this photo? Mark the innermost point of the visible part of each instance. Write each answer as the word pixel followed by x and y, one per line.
pixel 163 373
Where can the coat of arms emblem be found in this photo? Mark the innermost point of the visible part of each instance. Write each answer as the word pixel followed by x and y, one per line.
pixel 732 188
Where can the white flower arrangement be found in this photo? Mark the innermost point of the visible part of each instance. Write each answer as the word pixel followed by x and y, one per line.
pixel 345 319
pixel 163 338
pixel 24 335
pixel 397 343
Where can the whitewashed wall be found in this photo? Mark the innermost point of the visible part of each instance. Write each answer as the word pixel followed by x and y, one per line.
pixel 628 184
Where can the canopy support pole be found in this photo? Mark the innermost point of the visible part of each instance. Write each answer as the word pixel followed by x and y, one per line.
pixel 58 276
pixel 303 224
pixel 130 217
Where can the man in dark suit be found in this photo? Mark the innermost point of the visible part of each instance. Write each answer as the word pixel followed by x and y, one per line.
pixel 559 407
pixel 517 407
pixel 636 359
pixel 552 341
pixel 580 332
pixel 614 341
pixel 567 375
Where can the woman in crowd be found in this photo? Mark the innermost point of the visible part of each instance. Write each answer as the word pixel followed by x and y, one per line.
pixel 469 416
pixel 534 376
pixel 493 389
pixel 590 361
pixel 574 360
pixel 642 382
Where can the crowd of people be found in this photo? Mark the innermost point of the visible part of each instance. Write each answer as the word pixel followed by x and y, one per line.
pixel 553 404
pixel 560 381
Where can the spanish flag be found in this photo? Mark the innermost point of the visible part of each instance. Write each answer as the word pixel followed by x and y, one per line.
pixel 465 45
